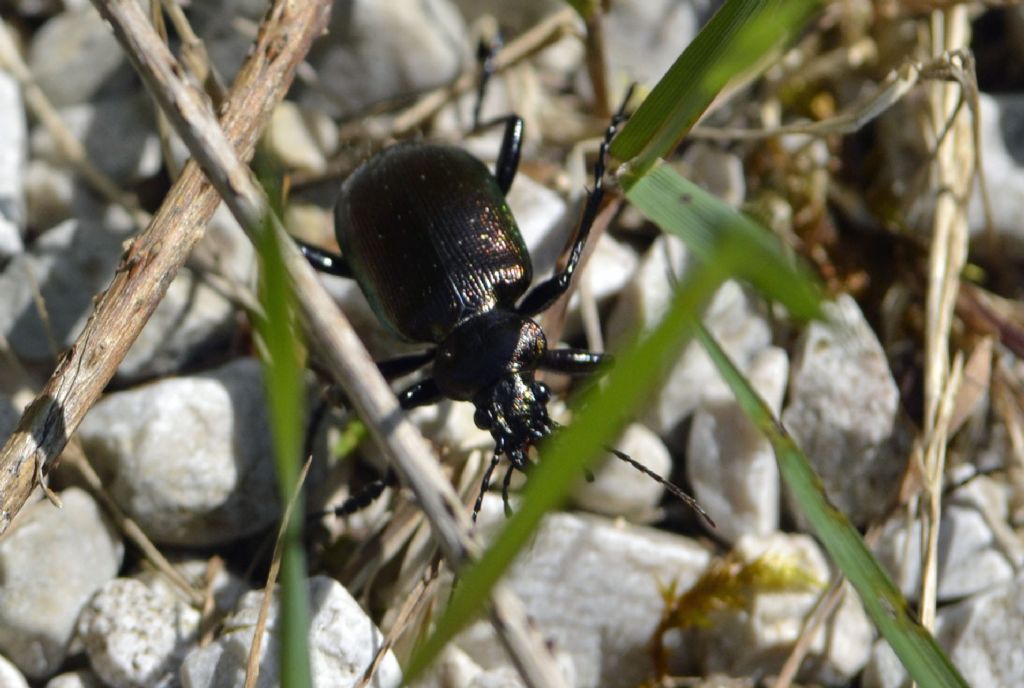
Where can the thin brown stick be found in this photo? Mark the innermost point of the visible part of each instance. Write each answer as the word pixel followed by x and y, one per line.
pixel 342 351
pixel 150 263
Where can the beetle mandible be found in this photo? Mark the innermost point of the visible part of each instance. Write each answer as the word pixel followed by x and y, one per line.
pixel 426 232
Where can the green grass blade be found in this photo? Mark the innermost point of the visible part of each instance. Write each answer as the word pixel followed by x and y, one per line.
pixel 564 457
pixel 283 375
pixel 915 647
pixel 706 224
pixel 741 34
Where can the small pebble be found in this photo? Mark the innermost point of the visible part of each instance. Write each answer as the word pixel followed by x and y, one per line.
pixel 842 412
pixel 189 458
pixel 53 560
pixel 136 636
pixel 342 642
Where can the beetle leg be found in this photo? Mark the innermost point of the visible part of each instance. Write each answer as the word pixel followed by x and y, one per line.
pixel 403 365
pixel 324 261
pixel 484 483
pixel 504 490
pixel 574 361
pixel 486 49
pixel 547 292
pixel 423 393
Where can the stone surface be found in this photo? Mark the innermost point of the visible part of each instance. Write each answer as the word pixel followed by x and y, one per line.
pixel 842 412
pixel 73 55
pixel 969 558
pixel 13 154
pixel 619 489
pixel 189 458
pixel 693 379
pixel 10 677
pixel 1001 122
pixel 69 264
pixel 342 643
pixel 299 139
pixel 981 636
pixel 730 464
pixel 758 640
pixel 118 135
pixel 136 636
pixel 592 588
pixel 378 51
pixel 52 562
pixel 663 27
pixel 49 194
pixel 83 678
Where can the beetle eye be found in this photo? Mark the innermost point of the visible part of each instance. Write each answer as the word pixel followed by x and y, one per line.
pixel 482 418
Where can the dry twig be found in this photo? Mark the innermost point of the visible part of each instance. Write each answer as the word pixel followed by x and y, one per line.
pixel 150 263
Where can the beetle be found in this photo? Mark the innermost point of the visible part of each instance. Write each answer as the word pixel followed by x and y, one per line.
pixel 426 232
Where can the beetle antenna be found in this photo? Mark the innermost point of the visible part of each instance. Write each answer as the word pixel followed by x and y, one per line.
pixel 485 483
pixel 676 491
pixel 504 490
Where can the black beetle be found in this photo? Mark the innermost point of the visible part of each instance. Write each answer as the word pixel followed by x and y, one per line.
pixel 426 232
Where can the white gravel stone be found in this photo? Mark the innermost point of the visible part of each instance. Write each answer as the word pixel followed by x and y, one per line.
pixel 73 55
pixel 455 669
pixel 136 636
pixel 52 562
pixel 292 138
pixel 375 51
pixel 1000 122
pixel 644 37
pixel 758 642
pixel 842 411
pixel 619 489
pixel 13 137
pixel 730 464
pixel 693 379
pixel 591 586
pixel 342 643
pixel 189 458
pixel 118 134
pixel 70 264
pixel 717 171
pixel 10 677
pixel 83 678
pixel 981 636
pixel 969 560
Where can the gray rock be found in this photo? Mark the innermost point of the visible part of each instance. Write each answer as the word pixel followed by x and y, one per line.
pixel 10 677
pixel 663 27
pixel 227 29
pixel 136 636
pixel 300 139
pixel 83 678
pixel 592 588
pixel 842 411
pixel 1001 123
pixel 969 558
pixel 73 55
pixel 189 458
pixel 455 669
pixel 715 170
pixel 53 560
pixel 693 379
pixel 376 51
pixel 730 464
pixel 119 136
pixel 619 489
pixel 342 642
pixel 13 147
pixel 70 264
pixel 759 640
pixel 981 636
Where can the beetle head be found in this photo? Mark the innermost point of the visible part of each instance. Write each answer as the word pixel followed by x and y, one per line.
pixel 489 360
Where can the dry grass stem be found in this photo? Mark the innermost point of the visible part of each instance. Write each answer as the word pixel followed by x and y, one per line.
pixel 150 263
pixel 952 175
pixel 252 666
pixel 345 355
